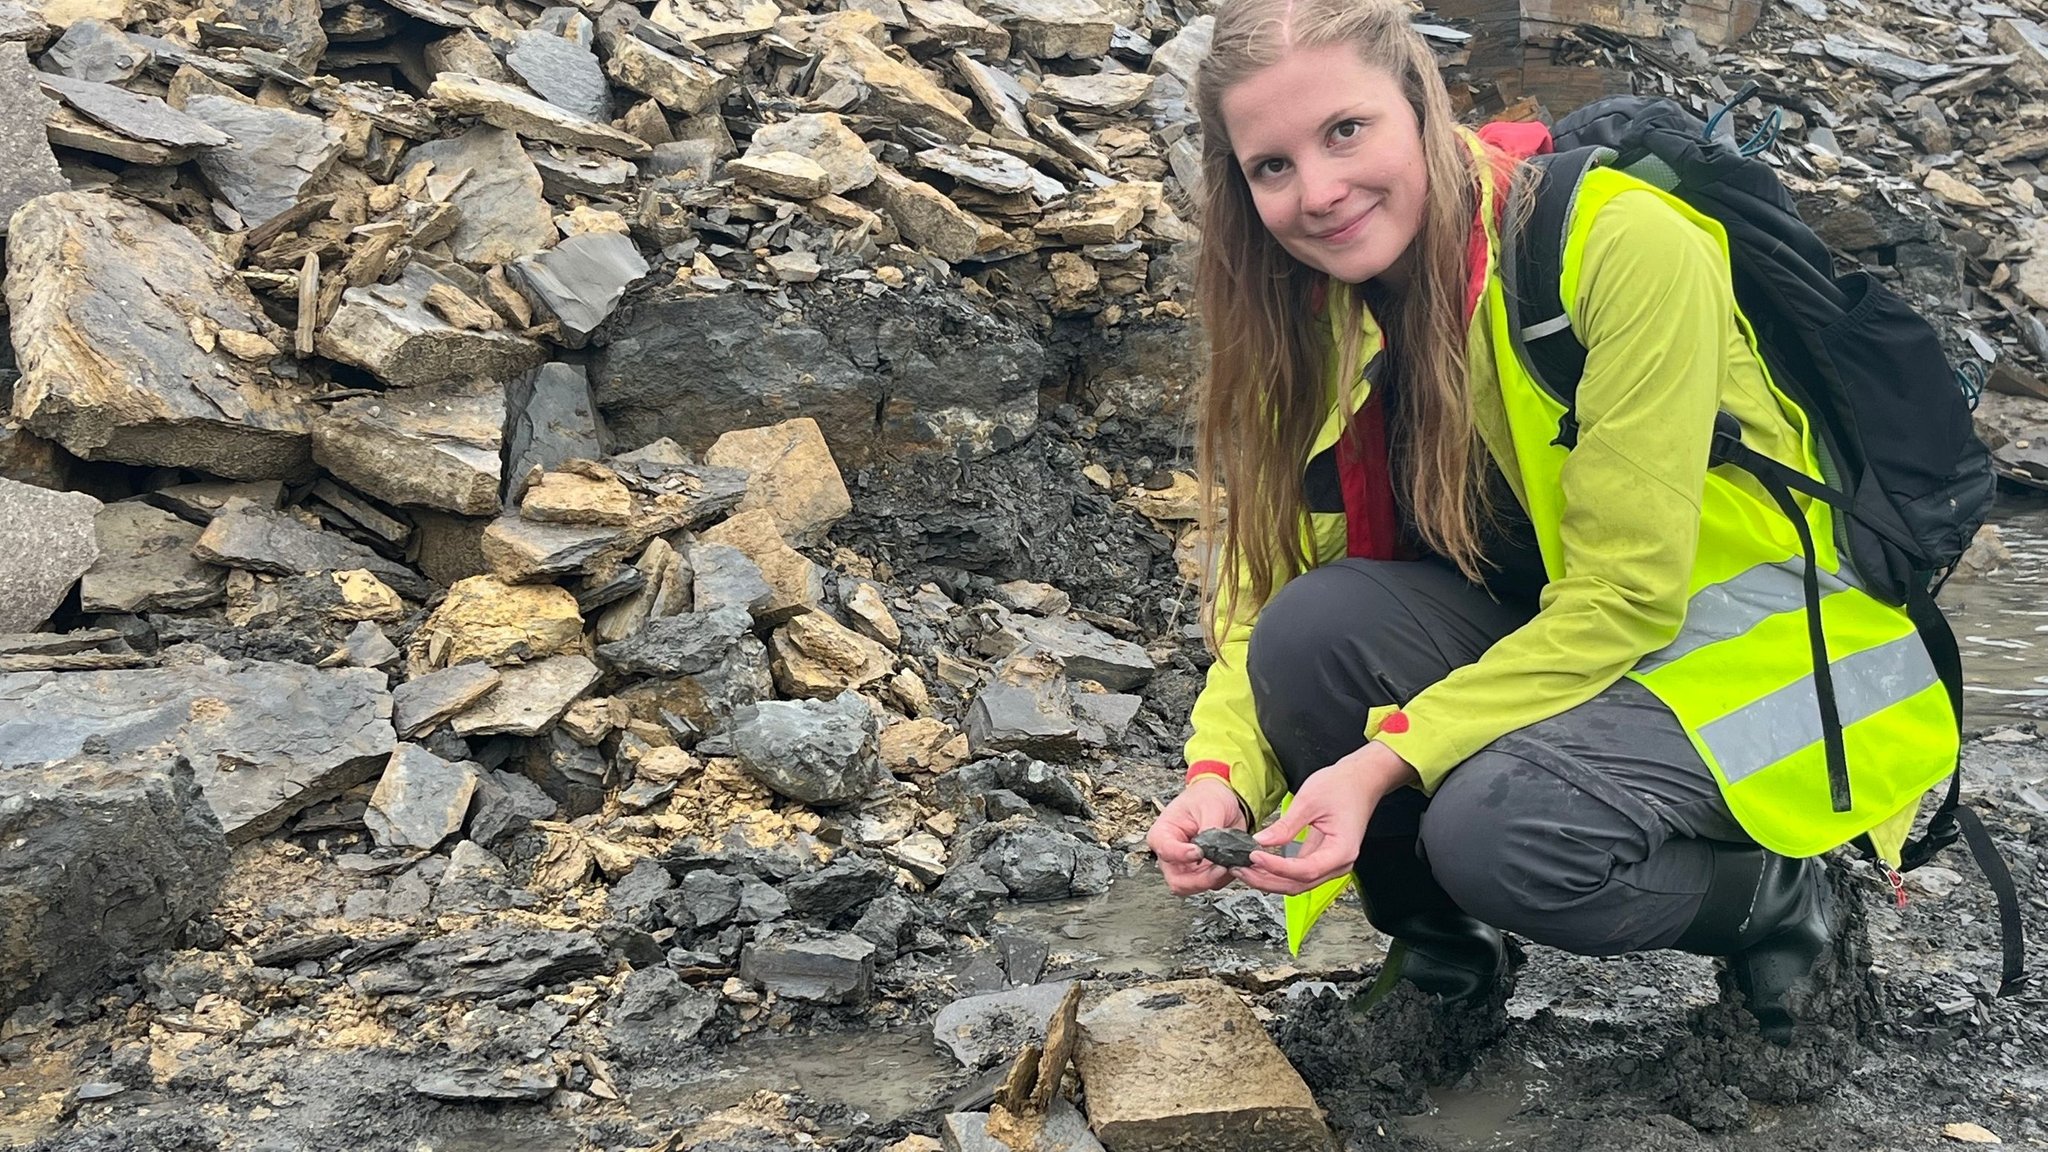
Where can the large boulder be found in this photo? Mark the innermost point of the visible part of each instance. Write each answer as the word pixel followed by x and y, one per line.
pixel 264 739
pixel 48 541
pixel 103 863
pixel 942 372
pixel 117 316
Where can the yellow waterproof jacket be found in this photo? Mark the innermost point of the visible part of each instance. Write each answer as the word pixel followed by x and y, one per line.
pixel 1653 303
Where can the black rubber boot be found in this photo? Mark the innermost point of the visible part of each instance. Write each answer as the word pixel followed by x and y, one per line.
pixel 1770 915
pixel 1436 946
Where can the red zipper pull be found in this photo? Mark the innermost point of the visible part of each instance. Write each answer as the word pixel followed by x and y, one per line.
pixel 1898 884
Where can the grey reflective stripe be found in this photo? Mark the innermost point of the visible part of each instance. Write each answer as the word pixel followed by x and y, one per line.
pixel 1758 735
pixel 1555 324
pixel 1729 609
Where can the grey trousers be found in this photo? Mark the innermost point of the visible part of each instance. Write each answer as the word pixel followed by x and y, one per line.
pixel 1583 832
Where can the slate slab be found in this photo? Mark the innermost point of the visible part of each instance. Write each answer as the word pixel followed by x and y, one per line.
pixel 264 739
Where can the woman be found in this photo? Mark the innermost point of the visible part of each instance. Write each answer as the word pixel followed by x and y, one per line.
pixel 1509 684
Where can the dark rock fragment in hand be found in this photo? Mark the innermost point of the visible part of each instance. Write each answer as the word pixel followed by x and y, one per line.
pixel 1230 847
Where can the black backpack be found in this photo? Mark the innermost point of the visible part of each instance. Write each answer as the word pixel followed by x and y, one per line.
pixel 1901 460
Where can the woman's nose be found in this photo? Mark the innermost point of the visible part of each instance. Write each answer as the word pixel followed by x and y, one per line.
pixel 1322 188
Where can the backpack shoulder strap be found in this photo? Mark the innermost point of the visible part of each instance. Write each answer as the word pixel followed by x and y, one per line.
pixel 1533 264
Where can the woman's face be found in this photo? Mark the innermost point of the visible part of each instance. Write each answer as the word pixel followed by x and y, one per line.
pixel 1333 154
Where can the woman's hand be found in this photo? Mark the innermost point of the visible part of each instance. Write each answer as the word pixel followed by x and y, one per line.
pixel 1334 804
pixel 1207 802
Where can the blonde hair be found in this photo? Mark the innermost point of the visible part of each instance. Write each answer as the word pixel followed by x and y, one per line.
pixel 1264 397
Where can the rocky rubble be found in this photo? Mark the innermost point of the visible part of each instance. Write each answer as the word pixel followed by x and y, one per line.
pixel 557 543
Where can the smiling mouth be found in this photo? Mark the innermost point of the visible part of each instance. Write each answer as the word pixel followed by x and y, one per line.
pixel 1346 232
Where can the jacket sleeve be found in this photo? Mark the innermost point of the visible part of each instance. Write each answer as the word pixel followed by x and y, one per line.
pixel 1656 311
pixel 1227 728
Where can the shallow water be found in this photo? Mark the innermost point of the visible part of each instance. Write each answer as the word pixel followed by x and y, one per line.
pixel 2001 621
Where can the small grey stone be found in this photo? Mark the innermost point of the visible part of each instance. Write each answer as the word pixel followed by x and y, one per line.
pixel 1065 1129
pixel 475 880
pixel 133 115
pixel 705 900
pixel 635 895
pixel 728 578
pixel 841 888
pixel 583 279
pixel 1036 862
pixel 576 777
pixel 837 969
pixel 525 1082
pixel 680 645
pixel 1229 847
pixel 1034 717
pixel 505 803
pixel 368 647
pixel 420 800
pixel 813 751
pixel 425 701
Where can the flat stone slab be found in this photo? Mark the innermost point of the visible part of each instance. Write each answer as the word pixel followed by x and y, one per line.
pixel 420 800
pixel 582 280
pixel 424 701
pixel 1089 653
pixel 265 739
pixel 1185 1065
pixel 138 117
pixel 146 563
pixel 517 110
pixel 104 297
pixel 248 536
pixel 47 541
pixel 433 447
pixel 528 700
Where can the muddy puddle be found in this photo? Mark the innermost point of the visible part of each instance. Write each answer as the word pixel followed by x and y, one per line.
pixel 2001 620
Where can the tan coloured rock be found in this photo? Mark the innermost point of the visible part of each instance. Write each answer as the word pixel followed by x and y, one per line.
pixel 706 23
pixel 1104 93
pixel 813 32
pixel 364 597
pixel 908 690
pixel 1081 29
pixel 824 139
pixel 1185 1064
pixel 817 658
pixel 954 25
pixel 1955 191
pixel 794 267
pixel 65 13
pixel 666 592
pixel 517 110
pixel 486 619
pixel 894 88
pixel 682 86
pixel 1104 216
pixel 142 391
pixel 928 218
pixel 797 584
pixel 790 473
pixel 1181 499
pixel 590 496
pixel 871 616
pixel 781 174
pixel 915 745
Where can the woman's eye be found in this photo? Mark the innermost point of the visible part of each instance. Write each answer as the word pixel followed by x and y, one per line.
pixel 1269 167
pixel 1347 129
